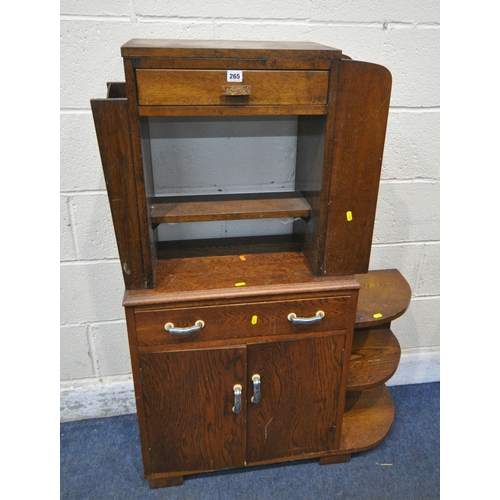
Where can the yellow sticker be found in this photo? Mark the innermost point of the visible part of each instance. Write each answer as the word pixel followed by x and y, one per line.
pixel 242 257
pixel 349 216
pixel 254 320
pixel 378 315
pixel 241 283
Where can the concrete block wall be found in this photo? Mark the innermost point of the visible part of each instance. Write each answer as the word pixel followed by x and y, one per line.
pixel 403 36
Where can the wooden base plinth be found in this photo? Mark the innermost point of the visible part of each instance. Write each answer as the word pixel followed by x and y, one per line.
pixel 335 459
pixel 165 482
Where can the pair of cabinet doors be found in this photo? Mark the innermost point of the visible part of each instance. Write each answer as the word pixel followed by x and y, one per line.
pixel 205 409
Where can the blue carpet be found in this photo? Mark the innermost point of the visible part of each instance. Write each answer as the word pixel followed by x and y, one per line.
pixel 101 459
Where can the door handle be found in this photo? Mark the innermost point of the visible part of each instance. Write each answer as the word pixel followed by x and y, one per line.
pixel 237 398
pixel 256 389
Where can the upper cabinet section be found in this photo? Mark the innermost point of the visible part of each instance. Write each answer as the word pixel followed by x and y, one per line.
pixel 322 202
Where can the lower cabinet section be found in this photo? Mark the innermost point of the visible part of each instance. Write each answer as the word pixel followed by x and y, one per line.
pixel 209 409
pixel 229 383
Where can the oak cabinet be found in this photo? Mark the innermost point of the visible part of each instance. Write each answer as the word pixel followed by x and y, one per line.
pixel 260 348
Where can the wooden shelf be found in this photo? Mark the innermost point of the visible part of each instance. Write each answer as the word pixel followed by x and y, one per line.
pixel 234 276
pixel 384 296
pixel 368 417
pixel 374 358
pixel 229 207
pixel 236 246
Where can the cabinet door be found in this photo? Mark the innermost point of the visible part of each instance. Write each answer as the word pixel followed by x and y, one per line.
pixel 299 391
pixel 188 406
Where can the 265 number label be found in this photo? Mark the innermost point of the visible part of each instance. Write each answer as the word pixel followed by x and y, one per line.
pixel 234 75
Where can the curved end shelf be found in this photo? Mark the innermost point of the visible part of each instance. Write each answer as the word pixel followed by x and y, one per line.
pixel 384 296
pixel 375 357
pixel 368 417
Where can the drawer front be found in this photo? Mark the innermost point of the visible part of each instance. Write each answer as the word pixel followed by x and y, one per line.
pixel 241 320
pixel 165 87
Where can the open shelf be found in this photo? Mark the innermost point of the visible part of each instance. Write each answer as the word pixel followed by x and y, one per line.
pixel 368 417
pixel 374 358
pixel 229 269
pixel 229 246
pixel 384 296
pixel 229 207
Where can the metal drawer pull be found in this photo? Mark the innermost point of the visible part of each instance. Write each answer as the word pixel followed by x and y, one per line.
pixel 184 331
pixel 236 90
pixel 256 389
pixel 294 319
pixel 237 398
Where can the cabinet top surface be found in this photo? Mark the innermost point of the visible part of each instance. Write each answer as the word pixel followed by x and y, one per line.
pixel 227 48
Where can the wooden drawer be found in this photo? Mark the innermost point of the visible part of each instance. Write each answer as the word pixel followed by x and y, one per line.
pixel 168 87
pixel 241 320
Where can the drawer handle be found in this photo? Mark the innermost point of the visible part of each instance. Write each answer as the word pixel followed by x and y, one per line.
pixel 294 319
pixel 185 331
pixel 237 398
pixel 256 389
pixel 236 89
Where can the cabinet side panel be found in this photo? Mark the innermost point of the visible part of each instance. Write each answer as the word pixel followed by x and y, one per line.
pixel 113 136
pixel 139 134
pixel 149 190
pixel 139 401
pixel 188 401
pixel 345 366
pixel 308 180
pixel 314 171
pixel 360 127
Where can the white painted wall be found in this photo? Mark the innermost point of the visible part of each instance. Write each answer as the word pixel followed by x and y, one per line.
pixel 403 36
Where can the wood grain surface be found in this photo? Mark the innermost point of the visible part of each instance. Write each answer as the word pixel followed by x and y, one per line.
pixel 362 108
pixel 367 419
pixel 229 207
pixel 234 321
pixel 374 358
pixel 232 277
pixel 188 401
pixel 207 49
pixel 181 87
pixel 384 296
pixel 111 122
pixel 300 388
